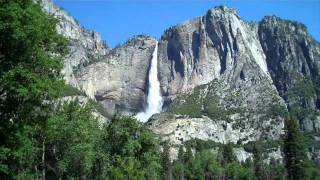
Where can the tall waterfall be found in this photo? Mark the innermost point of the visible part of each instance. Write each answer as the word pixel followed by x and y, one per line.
pixel 154 101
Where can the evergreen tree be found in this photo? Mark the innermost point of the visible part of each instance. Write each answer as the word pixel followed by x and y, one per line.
pixel 205 165
pixel 188 158
pixel 188 155
pixel 182 162
pixel 275 170
pixel 295 151
pixel 258 160
pixel 166 162
pixel 227 158
pixel 177 168
pixel 237 171
pixel 227 153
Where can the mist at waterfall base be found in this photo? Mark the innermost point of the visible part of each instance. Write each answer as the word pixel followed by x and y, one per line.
pixel 154 99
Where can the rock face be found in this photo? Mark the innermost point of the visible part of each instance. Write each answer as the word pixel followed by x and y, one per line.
pixel 86 46
pixel 114 77
pixel 235 74
pixel 293 59
pixel 209 47
pixel 119 80
pixel 222 53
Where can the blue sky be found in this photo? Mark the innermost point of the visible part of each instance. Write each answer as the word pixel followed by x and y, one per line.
pixel 118 20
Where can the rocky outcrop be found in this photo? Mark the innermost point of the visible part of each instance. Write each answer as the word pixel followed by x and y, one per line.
pixel 114 77
pixel 220 55
pixel 118 81
pixel 237 74
pixel 180 128
pixel 293 59
pixel 86 46
pixel 213 46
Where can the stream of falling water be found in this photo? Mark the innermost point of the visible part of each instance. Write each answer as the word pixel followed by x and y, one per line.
pixel 154 99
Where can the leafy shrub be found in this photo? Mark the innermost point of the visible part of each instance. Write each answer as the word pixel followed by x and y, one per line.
pixel 69 90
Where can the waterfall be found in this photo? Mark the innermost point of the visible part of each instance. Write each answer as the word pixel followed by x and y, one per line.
pixel 154 99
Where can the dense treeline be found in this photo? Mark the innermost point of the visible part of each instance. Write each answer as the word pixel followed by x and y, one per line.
pixel 43 137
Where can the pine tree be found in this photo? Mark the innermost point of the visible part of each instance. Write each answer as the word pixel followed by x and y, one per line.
pixel 227 153
pixel 188 158
pixel 295 151
pixel 166 162
pixel 188 155
pixel 228 157
pixel 258 161
pixel 182 162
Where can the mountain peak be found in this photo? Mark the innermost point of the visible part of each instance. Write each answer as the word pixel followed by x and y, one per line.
pixel 222 9
pixel 222 13
pixel 277 20
pixel 284 26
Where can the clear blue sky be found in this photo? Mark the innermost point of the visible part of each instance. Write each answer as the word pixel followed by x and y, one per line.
pixel 118 20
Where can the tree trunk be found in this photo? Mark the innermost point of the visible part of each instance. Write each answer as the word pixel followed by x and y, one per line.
pixel 43 160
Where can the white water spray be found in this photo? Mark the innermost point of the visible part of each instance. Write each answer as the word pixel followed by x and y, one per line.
pixel 154 101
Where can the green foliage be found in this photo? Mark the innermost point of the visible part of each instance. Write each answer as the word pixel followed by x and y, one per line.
pixel 212 109
pixel 200 145
pixel 31 53
pixel 277 110
pixel 237 171
pixel 101 109
pixel 29 73
pixel 205 165
pixel 208 164
pixel 258 160
pixel 43 139
pixel 302 88
pixel 178 170
pixel 69 90
pixel 26 154
pixel 265 145
pixel 200 102
pixel 300 112
pixel 227 154
pixel 188 104
pixel 297 164
pixel 72 138
pixel 130 142
pixel 275 170
pixel 295 151
pixel 166 162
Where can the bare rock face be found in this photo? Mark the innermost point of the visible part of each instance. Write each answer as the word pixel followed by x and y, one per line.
pixel 223 52
pixel 86 46
pixel 293 59
pixel 217 45
pixel 218 71
pixel 116 78
pixel 119 80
